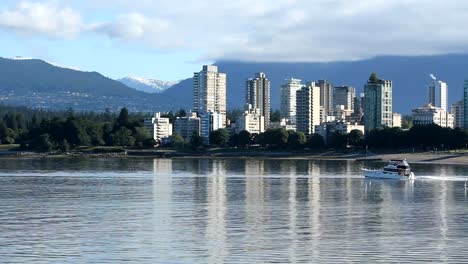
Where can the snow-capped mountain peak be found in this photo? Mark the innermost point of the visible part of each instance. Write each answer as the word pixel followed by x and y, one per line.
pixel 147 85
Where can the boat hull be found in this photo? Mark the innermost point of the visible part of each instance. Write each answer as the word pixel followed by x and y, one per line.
pixel 378 174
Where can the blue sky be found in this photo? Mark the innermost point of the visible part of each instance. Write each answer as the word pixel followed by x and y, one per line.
pixel 170 39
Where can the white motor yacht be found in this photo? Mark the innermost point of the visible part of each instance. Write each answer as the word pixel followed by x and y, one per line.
pixel 396 169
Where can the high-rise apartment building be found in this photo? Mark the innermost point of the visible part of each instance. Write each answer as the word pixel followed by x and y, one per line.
pixel 288 99
pixel 457 111
pixel 209 91
pixel 258 95
pixel 326 96
pixel 465 104
pixel 377 103
pixel 437 93
pixel 308 108
pixel 344 95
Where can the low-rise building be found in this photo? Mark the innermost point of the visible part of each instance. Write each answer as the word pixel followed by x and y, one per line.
pixel 209 122
pixel 159 127
pixel 430 114
pixel 326 129
pixel 283 123
pixel 397 120
pixel 252 121
pixel 187 126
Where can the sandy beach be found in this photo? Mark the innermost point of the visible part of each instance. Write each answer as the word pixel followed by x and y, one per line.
pixel 417 157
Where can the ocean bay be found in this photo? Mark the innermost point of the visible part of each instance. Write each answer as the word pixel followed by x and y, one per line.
pixel 228 210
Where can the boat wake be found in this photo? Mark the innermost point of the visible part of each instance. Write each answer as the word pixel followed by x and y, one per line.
pixel 442 178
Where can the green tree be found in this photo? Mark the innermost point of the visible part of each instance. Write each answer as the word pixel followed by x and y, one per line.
pixel 374 78
pixel 123 137
pixel 407 122
pixel 177 141
pixel 244 138
pixel 142 134
pixel 274 138
pixel 43 143
pixel 106 133
pixel 316 142
pixel 64 146
pixel 337 140
pixel 75 131
pixel 123 120
pixel 149 143
pixel 196 141
pixel 356 138
pixel 296 140
pixel 96 135
pixel 219 137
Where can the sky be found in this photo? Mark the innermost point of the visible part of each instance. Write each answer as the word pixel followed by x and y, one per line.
pixel 171 39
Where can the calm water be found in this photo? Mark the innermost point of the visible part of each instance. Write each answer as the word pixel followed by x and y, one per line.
pixel 228 211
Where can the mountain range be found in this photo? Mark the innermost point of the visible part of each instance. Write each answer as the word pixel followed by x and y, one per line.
pixel 147 85
pixel 36 83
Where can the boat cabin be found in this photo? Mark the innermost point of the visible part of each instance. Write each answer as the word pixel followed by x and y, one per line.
pixel 400 167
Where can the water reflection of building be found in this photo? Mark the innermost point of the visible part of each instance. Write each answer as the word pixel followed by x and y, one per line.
pixel 163 200
pixel 255 204
pixel 162 166
pixel 254 167
pixel 293 211
pixel 314 210
pixel 216 215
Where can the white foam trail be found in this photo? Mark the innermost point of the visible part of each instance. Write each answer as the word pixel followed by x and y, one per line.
pixel 442 178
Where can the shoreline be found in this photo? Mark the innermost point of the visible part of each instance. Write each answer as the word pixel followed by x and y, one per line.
pixel 455 158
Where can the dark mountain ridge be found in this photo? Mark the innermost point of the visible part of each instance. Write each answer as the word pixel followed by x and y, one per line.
pixel 38 84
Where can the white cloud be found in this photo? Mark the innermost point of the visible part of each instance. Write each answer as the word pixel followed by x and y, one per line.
pixel 45 19
pixel 263 30
pixel 132 26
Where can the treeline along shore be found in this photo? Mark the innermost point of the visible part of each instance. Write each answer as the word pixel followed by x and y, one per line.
pixel 28 132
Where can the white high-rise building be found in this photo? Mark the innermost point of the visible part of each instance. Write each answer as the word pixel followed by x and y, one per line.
pixel 159 127
pixel 429 114
pixel 288 99
pixel 252 121
pixel 209 91
pixel 437 93
pixel 458 114
pixel 308 108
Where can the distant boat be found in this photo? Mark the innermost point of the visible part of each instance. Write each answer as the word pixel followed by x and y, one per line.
pixel 396 169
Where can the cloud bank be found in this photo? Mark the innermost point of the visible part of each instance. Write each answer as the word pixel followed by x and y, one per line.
pixel 41 19
pixel 264 30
